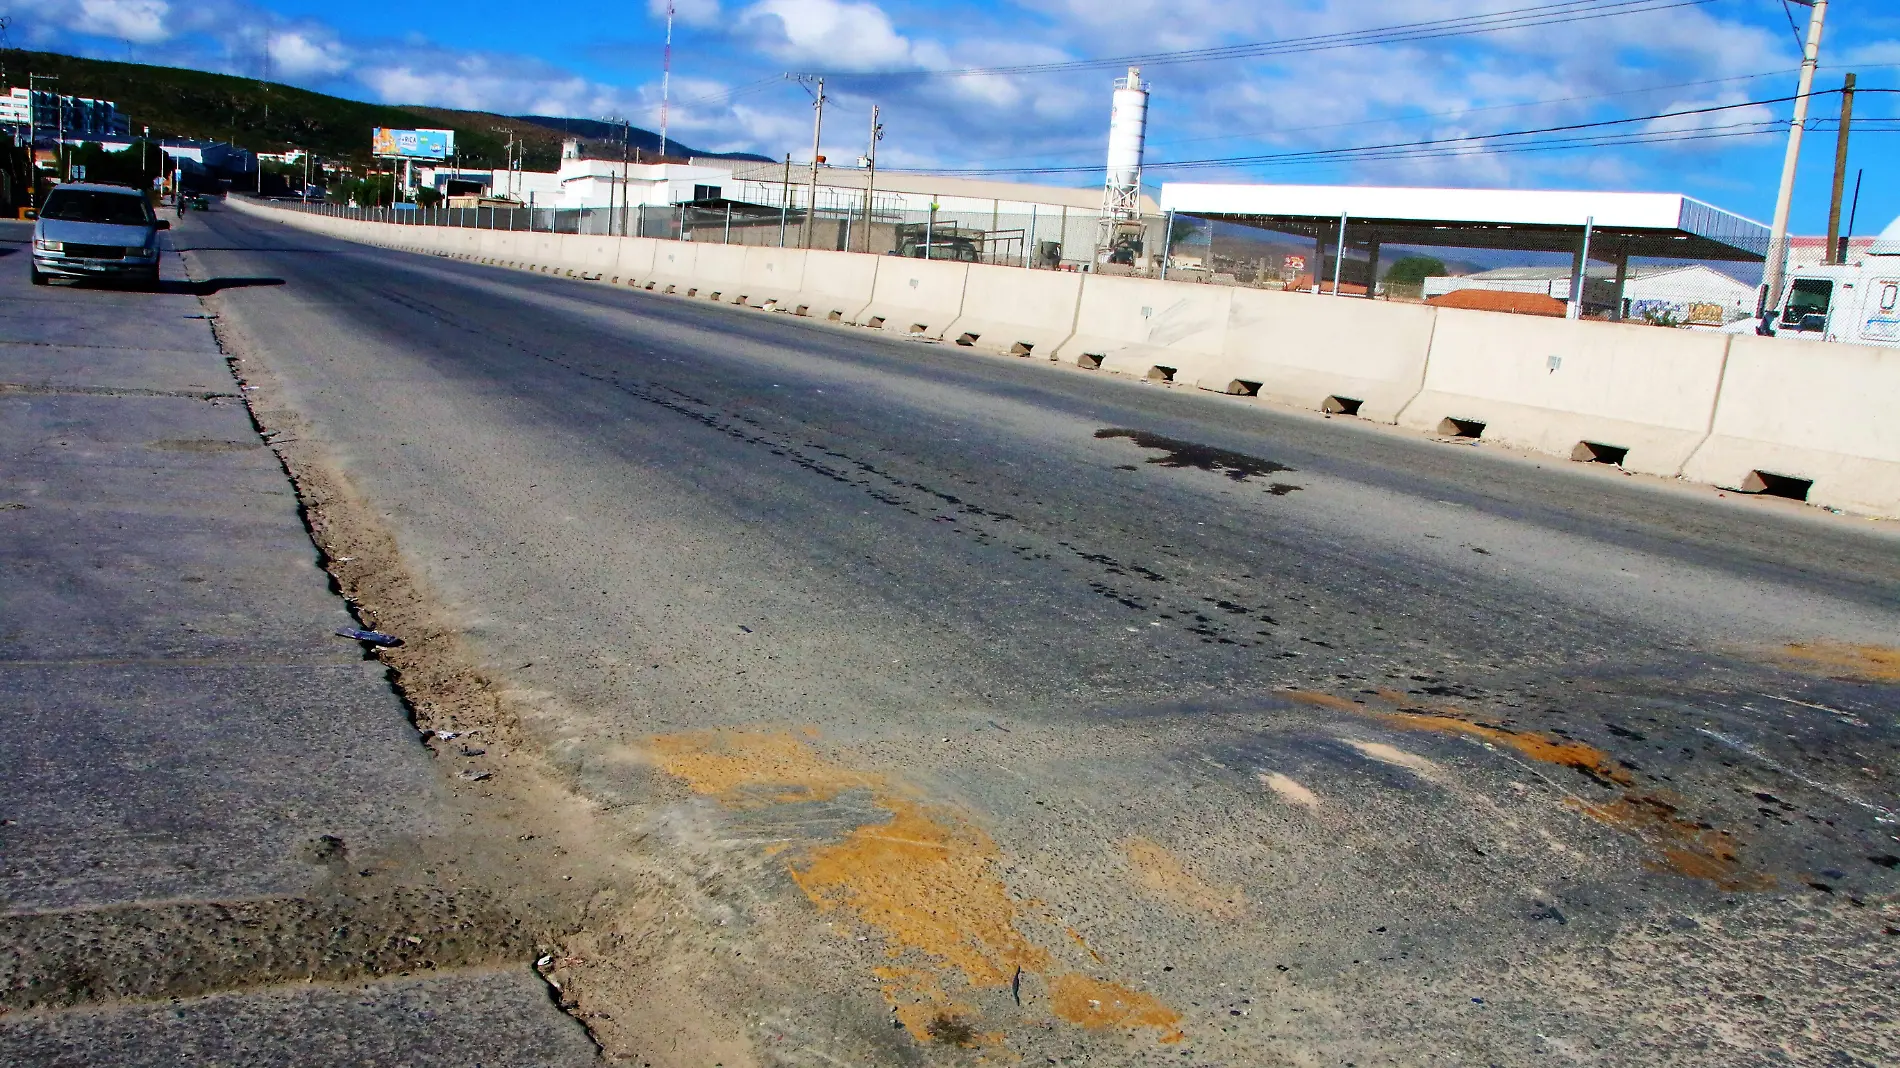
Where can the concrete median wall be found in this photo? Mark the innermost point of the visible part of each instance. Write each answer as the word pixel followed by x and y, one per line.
pixel 719 272
pixel 1170 330
pixel 673 267
pixel 1012 312
pixel 772 276
pixel 916 298
pixel 1326 353
pixel 836 286
pixel 636 260
pixel 1634 395
pixel 1811 411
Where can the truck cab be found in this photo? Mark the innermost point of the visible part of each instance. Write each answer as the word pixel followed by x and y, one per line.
pixel 1857 303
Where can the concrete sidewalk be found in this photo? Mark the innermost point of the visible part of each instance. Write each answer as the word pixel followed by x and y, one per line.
pixel 207 794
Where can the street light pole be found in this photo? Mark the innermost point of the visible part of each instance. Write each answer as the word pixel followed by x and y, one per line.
pixel 1777 266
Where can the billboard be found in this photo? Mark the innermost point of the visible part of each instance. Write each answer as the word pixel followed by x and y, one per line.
pixel 413 144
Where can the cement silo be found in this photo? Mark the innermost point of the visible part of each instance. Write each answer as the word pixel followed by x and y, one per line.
pixel 1121 194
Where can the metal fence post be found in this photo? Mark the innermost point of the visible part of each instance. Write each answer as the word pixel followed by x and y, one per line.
pixel 1167 245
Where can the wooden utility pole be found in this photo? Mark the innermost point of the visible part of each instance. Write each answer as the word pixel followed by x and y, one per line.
pixel 1837 252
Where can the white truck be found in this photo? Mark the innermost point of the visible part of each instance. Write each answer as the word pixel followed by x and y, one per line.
pixel 1858 302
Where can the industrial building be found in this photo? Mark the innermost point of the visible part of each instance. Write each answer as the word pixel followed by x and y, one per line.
pixel 1691 294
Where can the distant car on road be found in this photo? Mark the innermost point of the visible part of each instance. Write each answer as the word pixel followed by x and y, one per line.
pixel 96 230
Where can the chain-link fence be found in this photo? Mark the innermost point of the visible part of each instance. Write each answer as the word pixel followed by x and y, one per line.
pixel 1055 238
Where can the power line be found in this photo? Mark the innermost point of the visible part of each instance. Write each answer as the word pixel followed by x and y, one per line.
pixel 1095 150
pixel 1353 152
pixel 1549 14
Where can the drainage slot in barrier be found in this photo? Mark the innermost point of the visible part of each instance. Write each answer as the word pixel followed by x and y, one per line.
pixel 1460 428
pixel 1021 348
pixel 1595 452
pixel 1161 374
pixel 714 295
pixel 1089 361
pixel 1769 484
pixel 919 328
pixel 1240 387
pixel 876 323
pixel 1341 405
pixel 966 340
pixel 830 316
pixel 692 291
pixel 669 289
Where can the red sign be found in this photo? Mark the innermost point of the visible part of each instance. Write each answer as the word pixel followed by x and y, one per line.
pixel 1294 263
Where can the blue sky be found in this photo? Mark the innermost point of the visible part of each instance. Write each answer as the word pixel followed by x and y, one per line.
pixel 590 58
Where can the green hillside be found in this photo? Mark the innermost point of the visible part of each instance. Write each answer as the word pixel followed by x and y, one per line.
pixel 268 117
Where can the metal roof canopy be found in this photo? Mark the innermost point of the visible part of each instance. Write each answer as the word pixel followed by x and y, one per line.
pixel 1658 225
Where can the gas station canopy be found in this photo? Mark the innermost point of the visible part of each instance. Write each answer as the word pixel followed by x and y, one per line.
pixel 1658 225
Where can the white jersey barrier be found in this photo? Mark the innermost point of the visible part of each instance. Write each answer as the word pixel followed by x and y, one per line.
pixel 1636 396
pixel 719 272
pixel 1355 357
pixel 772 276
pixel 836 286
pixel 1161 330
pixel 673 268
pixel 917 298
pixel 1807 418
pixel 1012 312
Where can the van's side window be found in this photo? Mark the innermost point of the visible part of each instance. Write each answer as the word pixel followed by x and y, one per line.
pixel 1809 296
pixel 1889 297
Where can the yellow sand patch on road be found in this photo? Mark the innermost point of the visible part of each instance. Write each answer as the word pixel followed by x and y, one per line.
pixel 927 880
pixel 1868 663
pixel 1164 876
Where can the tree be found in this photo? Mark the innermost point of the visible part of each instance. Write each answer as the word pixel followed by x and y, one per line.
pixel 1413 270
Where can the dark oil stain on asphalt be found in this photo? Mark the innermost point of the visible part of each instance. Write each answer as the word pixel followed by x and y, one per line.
pixel 1181 454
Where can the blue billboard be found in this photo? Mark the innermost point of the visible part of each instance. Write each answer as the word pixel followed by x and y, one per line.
pixel 413 144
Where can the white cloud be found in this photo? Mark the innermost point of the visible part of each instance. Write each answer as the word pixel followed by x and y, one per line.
pixel 690 12
pixel 139 21
pixel 299 54
pixel 829 34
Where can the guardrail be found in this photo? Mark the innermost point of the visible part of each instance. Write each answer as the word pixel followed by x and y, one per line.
pixel 1799 419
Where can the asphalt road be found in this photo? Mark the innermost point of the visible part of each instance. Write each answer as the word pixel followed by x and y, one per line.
pixel 970 708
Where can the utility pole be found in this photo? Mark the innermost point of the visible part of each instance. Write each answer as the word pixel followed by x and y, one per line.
pixel 870 185
pixel 666 78
pixel 817 128
pixel 1777 266
pixel 785 200
pixel 1835 252
pixel 626 173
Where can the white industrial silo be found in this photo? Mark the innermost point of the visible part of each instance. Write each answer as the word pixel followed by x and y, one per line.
pixel 1127 135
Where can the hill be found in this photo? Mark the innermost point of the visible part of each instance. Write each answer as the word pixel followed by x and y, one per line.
pixel 271 117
